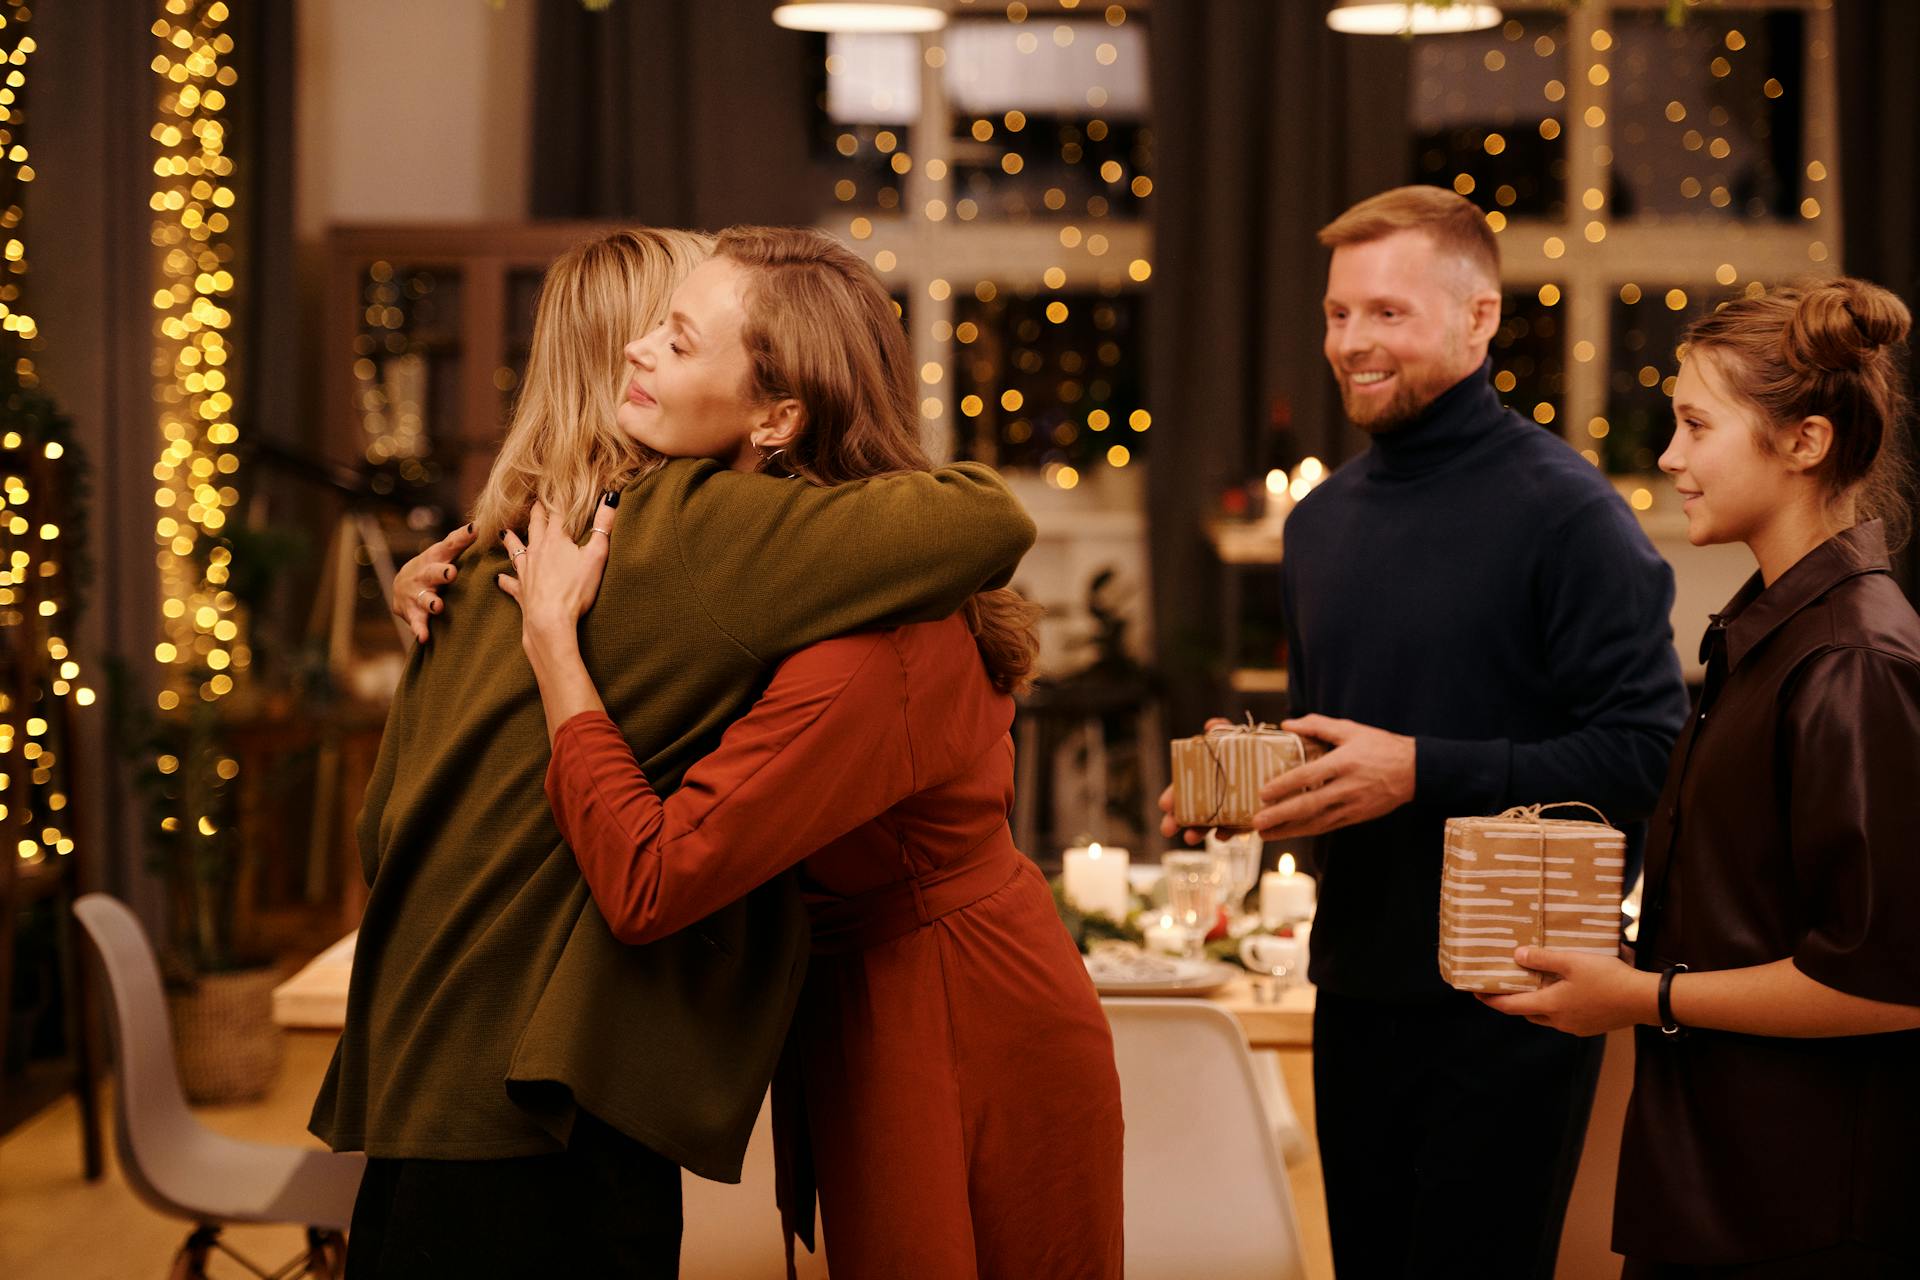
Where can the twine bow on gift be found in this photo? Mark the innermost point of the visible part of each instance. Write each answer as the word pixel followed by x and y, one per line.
pixel 1250 728
pixel 1532 813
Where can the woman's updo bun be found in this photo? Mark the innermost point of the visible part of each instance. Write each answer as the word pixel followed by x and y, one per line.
pixel 1833 349
pixel 1843 325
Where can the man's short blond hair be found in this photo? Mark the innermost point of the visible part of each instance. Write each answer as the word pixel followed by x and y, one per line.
pixel 1456 225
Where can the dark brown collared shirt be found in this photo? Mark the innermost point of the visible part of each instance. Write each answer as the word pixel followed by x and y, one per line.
pixel 1789 827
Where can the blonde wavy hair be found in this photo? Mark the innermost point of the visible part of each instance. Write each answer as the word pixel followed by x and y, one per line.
pixel 563 446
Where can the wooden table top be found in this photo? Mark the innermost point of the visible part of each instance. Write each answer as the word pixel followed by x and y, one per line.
pixel 316 998
pixel 1287 1024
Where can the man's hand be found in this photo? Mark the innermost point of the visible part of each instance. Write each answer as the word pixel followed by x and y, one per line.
pixel 1369 772
pixel 1594 994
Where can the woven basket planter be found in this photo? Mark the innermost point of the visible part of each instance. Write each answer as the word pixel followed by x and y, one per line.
pixel 224 1037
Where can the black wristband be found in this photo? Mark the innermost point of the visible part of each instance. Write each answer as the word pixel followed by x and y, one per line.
pixel 1665 1004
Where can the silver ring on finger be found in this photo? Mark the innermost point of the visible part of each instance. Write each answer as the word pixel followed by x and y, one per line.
pixel 416 596
pixel 607 533
pixel 515 555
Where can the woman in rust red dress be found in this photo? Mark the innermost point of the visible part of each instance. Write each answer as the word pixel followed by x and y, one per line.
pixel 960 1097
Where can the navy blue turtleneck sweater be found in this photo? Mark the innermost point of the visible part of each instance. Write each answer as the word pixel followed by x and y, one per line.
pixel 1471 581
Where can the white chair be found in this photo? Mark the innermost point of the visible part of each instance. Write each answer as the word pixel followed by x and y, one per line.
pixel 1206 1188
pixel 1282 1122
pixel 181 1168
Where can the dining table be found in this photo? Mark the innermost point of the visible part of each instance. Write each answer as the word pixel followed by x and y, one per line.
pixel 1279 1018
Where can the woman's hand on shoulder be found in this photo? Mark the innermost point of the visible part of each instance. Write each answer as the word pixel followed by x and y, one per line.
pixel 416 588
pixel 554 579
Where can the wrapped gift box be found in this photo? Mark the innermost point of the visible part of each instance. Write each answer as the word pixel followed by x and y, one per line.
pixel 1521 880
pixel 1217 775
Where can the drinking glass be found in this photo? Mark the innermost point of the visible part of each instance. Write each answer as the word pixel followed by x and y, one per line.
pixel 1193 895
pixel 1239 855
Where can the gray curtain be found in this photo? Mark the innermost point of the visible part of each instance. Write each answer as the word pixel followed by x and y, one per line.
pixel 1266 125
pixel 671 113
pixel 1880 160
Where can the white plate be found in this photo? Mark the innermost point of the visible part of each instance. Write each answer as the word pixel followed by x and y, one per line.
pixel 1138 973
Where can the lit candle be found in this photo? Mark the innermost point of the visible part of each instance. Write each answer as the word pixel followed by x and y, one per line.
pixel 1286 895
pixel 1095 879
pixel 1165 935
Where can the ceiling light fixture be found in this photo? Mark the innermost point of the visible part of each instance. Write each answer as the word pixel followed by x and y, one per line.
pixel 862 15
pixel 1410 18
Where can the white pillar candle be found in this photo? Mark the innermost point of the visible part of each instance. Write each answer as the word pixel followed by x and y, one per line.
pixel 1095 879
pixel 1286 895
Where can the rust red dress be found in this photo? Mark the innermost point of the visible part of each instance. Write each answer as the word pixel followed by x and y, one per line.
pixel 960 1092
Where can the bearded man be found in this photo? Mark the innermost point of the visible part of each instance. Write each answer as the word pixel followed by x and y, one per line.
pixel 1475 620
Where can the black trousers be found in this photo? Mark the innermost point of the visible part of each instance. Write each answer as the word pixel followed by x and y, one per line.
pixel 606 1206
pixel 1449 1135
pixel 1844 1262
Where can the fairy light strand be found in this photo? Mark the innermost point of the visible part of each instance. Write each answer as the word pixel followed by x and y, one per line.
pixel 34 589
pixel 192 202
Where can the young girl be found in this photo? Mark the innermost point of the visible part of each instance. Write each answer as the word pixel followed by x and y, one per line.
pixel 1775 1115
pixel 957 1072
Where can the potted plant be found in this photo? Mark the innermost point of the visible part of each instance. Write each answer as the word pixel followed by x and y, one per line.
pixel 221 997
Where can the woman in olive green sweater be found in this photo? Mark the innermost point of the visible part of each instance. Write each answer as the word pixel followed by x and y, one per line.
pixel 526 1087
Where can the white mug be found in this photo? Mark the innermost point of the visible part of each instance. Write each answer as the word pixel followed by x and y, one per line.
pixel 1278 957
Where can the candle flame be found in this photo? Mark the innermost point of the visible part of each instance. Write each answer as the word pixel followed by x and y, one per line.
pixel 1276 482
pixel 1286 864
pixel 1093 850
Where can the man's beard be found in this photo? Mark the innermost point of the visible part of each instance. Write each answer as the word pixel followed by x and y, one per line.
pixel 1410 398
pixel 1409 401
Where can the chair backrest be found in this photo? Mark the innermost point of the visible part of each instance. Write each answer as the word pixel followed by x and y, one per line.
pixel 150 1107
pixel 1206 1187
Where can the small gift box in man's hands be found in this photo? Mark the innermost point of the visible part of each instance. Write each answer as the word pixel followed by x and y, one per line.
pixel 1521 880
pixel 1217 775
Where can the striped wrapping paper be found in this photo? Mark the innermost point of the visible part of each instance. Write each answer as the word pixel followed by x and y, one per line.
pixel 1217 776
pixel 1520 880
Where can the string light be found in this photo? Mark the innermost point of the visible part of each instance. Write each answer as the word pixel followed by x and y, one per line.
pixel 192 203
pixel 35 589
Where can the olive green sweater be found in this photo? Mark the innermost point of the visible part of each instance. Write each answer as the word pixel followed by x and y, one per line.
pixel 488 997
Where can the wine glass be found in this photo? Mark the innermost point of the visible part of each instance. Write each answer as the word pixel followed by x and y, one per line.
pixel 1193 896
pixel 1238 853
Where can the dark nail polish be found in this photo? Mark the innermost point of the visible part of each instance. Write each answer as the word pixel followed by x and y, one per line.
pixel 469 526
pixel 611 498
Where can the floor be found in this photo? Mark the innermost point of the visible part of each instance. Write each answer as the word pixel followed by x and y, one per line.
pixel 56 1226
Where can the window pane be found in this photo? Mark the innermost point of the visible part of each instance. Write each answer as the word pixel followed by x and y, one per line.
pixel 862 142
pixel 1049 118
pixel 1050 379
pixel 1487 120
pixel 1707 115
pixel 1048 67
pixel 1529 369
pixel 1648 323
pixel 873 79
